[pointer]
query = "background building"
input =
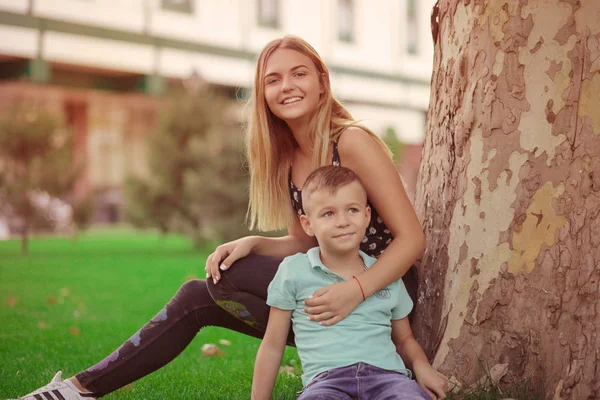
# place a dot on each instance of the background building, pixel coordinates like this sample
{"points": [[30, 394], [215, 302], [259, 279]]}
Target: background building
{"points": [[104, 64]]}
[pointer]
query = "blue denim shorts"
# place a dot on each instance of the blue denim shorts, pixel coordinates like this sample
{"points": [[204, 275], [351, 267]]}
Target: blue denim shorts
{"points": [[362, 381]]}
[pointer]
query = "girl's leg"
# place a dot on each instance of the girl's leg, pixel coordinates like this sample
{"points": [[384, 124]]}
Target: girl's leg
{"points": [[174, 327], [242, 291]]}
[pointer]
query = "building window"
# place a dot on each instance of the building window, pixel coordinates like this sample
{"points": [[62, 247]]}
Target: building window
{"points": [[183, 6], [268, 13], [346, 20], [411, 27]]}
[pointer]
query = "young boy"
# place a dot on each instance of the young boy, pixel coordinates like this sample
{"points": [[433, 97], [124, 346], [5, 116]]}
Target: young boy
{"points": [[355, 358]]}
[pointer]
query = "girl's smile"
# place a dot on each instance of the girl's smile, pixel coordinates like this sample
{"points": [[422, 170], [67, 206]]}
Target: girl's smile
{"points": [[291, 100]]}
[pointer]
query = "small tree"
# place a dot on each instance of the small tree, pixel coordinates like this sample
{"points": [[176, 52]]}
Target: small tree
{"points": [[396, 145], [35, 154], [196, 183], [83, 209]]}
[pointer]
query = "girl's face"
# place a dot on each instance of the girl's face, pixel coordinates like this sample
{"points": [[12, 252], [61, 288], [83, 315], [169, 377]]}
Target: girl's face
{"points": [[292, 85]]}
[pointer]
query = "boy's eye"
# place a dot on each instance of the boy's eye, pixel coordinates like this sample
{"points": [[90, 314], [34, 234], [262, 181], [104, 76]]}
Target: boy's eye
{"points": [[328, 214], [353, 209]]}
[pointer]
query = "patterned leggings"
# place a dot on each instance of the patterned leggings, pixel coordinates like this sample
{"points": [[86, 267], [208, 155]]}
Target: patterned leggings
{"points": [[237, 302]]}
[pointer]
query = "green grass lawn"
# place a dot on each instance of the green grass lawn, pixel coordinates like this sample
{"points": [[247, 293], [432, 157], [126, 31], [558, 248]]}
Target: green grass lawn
{"points": [[70, 303]]}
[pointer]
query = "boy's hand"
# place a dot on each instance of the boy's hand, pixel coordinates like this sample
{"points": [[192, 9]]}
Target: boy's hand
{"points": [[432, 381], [333, 303]]}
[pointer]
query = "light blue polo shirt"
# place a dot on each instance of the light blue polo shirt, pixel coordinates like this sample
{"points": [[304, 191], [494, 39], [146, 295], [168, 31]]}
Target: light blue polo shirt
{"points": [[363, 336]]}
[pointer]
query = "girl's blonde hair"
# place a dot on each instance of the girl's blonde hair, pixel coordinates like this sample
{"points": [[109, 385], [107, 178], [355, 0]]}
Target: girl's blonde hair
{"points": [[270, 143]]}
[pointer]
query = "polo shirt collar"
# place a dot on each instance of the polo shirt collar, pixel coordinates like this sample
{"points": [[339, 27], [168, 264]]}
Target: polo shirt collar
{"points": [[314, 258]]}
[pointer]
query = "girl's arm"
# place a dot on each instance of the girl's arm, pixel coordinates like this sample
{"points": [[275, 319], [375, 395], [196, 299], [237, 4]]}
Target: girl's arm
{"points": [[270, 352], [385, 190], [433, 382], [297, 241], [362, 154]]}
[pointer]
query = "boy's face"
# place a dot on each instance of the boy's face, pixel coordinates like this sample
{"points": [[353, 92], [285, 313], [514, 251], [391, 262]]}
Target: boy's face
{"points": [[338, 220]]}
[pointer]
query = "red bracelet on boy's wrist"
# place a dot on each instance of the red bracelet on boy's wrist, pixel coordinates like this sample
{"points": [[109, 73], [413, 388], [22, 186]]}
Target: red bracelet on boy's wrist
{"points": [[360, 286]]}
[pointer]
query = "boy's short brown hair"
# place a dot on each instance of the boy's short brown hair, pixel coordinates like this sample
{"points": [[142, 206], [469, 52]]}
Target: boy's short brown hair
{"points": [[330, 178]]}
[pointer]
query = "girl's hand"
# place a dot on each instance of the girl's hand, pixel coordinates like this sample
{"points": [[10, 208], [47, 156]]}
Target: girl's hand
{"points": [[225, 255], [333, 303], [433, 382]]}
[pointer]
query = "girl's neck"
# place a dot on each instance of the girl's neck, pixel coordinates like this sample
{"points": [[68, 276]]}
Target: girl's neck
{"points": [[299, 129]]}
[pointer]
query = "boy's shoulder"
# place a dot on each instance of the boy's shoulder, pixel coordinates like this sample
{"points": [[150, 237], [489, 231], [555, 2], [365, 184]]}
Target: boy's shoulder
{"points": [[298, 258], [295, 261], [312, 256], [301, 263]]}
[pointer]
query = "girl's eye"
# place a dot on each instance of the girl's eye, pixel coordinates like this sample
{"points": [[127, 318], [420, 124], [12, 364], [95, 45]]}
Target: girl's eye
{"points": [[301, 74], [272, 81]]}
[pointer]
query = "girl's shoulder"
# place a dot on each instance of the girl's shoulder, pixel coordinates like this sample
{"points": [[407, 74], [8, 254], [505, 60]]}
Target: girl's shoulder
{"points": [[352, 133], [357, 143]]}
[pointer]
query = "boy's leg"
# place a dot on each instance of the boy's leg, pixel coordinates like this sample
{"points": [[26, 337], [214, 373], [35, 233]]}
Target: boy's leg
{"points": [[381, 384], [336, 384], [324, 393]]}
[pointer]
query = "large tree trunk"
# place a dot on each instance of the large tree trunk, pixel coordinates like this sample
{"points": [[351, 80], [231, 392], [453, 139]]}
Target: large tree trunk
{"points": [[509, 193]]}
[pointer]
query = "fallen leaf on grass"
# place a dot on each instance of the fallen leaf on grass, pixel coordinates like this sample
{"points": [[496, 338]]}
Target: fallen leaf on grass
{"points": [[287, 369], [11, 301], [74, 330], [51, 300], [81, 306], [42, 325], [65, 292], [224, 342], [211, 350], [76, 314], [292, 362]]}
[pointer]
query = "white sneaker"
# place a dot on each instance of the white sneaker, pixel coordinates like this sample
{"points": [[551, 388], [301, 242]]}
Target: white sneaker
{"points": [[57, 389]]}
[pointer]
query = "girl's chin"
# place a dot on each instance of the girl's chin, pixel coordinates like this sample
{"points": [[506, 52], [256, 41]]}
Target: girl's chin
{"points": [[293, 113], [288, 117]]}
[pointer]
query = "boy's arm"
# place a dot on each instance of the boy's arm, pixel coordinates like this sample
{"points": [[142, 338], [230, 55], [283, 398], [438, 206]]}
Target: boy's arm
{"points": [[270, 353], [434, 383]]}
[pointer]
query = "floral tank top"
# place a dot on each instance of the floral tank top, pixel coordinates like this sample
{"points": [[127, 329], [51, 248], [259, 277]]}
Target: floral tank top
{"points": [[377, 237]]}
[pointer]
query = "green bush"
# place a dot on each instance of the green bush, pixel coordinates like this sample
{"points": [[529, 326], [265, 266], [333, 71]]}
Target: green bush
{"points": [[196, 182]]}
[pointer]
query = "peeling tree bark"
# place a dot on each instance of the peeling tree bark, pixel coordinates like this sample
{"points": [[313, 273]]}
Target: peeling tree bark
{"points": [[509, 193]]}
